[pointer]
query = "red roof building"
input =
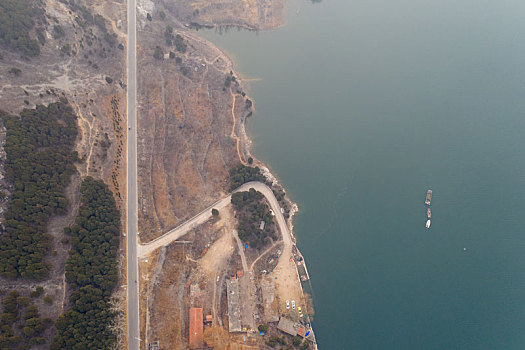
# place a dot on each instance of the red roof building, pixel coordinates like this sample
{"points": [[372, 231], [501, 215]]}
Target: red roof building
{"points": [[196, 337]]}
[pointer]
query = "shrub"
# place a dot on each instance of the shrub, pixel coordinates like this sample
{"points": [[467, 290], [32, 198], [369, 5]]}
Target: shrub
{"points": [[37, 292], [158, 54], [58, 32], [17, 72]]}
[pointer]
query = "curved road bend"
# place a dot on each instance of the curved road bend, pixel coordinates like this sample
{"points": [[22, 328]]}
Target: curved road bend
{"points": [[132, 197], [203, 216]]}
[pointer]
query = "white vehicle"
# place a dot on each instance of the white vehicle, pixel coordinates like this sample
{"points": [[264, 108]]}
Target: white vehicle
{"points": [[287, 304], [293, 304], [124, 234], [138, 233]]}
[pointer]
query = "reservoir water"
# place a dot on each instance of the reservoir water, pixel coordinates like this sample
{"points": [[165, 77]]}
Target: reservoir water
{"points": [[361, 106]]}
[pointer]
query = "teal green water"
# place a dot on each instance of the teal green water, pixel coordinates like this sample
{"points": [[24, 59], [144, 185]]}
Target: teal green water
{"points": [[361, 107]]}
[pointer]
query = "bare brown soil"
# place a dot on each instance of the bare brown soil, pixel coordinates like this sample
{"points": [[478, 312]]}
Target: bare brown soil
{"points": [[185, 124]]}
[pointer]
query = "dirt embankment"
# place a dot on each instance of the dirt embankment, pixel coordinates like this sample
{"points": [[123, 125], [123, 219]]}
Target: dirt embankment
{"points": [[185, 121], [78, 63]]}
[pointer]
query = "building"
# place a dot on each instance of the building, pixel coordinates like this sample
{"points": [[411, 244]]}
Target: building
{"points": [[196, 336], [290, 327], [234, 307], [209, 319]]}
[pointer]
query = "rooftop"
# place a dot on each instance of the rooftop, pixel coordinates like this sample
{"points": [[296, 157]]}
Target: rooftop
{"points": [[196, 338]]}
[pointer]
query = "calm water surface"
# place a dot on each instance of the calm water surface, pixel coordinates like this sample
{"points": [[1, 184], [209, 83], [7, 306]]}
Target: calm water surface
{"points": [[361, 107]]}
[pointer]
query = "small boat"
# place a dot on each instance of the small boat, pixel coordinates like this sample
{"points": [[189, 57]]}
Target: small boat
{"points": [[429, 197], [427, 224], [429, 214]]}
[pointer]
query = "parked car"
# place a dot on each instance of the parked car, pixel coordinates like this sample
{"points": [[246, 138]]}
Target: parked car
{"points": [[287, 304], [293, 304]]}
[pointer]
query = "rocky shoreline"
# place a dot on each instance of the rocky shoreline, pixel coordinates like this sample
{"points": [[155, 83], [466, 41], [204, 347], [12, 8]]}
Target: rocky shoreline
{"points": [[245, 146]]}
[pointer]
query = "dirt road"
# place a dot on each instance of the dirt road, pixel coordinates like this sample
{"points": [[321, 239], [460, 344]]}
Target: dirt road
{"points": [[205, 215]]}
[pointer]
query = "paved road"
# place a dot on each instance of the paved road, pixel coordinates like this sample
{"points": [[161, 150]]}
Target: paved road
{"points": [[203, 216], [132, 205]]}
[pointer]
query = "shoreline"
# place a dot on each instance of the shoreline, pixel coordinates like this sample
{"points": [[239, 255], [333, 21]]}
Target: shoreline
{"points": [[245, 143]]}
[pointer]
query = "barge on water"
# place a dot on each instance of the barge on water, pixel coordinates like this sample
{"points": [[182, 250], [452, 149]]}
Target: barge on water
{"points": [[429, 214], [429, 197]]}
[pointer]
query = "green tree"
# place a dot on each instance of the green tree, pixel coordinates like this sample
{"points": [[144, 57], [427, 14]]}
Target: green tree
{"points": [[17, 20], [91, 271], [39, 163], [215, 212], [180, 44], [158, 54], [58, 31]]}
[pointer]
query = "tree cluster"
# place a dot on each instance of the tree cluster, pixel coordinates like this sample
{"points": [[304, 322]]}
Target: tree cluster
{"points": [[39, 163], [176, 40], [251, 210], [20, 323], [91, 271], [241, 174], [16, 22]]}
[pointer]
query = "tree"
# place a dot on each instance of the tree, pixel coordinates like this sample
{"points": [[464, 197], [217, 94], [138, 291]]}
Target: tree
{"points": [[296, 341], [91, 271], [263, 328], [148, 16], [215, 212], [158, 54], [241, 174], [168, 35], [180, 45], [39, 163], [17, 20], [58, 32]]}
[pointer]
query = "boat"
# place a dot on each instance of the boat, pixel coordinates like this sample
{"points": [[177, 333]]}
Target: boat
{"points": [[429, 197], [427, 224], [429, 214]]}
